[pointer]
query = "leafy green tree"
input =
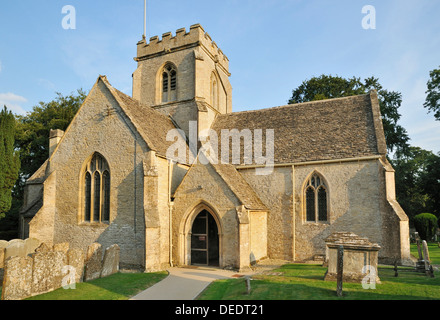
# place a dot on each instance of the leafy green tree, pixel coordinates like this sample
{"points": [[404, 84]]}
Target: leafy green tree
{"points": [[32, 138], [418, 181], [426, 225], [432, 102], [9, 160], [328, 87], [431, 183], [32, 141]]}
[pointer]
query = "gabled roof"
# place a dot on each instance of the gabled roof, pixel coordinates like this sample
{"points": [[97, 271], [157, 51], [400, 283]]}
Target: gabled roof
{"points": [[239, 187], [150, 124], [321, 130], [235, 182]]}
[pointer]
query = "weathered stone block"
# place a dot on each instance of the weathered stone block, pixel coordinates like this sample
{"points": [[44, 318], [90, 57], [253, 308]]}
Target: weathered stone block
{"points": [[76, 259], [2, 257], [15, 248], [110, 263], [31, 244], [360, 257], [63, 247], [47, 272], [44, 247], [17, 281], [93, 262]]}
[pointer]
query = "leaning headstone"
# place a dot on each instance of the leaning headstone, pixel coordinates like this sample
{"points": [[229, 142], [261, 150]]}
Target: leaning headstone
{"points": [[110, 263], [17, 281], [15, 248], [93, 262], [31, 244], [427, 261], [47, 272], [75, 258]]}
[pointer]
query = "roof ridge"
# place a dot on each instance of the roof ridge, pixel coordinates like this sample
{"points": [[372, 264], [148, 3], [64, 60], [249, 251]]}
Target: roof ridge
{"points": [[298, 104]]}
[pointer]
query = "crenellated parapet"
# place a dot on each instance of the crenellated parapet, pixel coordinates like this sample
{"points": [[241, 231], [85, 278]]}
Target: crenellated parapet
{"points": [[180, 41]]}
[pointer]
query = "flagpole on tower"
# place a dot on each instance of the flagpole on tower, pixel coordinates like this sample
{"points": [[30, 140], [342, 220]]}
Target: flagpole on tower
{"points": [[145, 19]]}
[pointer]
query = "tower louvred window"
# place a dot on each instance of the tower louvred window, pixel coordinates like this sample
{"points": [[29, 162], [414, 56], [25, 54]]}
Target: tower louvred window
{"points": [[169, 83]]}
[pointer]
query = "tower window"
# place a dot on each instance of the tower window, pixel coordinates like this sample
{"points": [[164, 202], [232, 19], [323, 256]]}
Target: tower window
{"points": [[97, 191], [169, 83], [316, 197]]}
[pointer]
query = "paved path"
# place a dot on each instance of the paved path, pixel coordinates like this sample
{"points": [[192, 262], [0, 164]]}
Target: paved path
{"points": [[184, 283]]}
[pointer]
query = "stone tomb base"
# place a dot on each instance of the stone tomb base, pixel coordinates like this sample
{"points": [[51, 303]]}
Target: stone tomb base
{"points": [[360, 258]]}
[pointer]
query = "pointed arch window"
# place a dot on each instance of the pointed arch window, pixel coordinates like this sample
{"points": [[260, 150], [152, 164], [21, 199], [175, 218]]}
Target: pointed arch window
{"points": [[316, 199], [169, 83], [97, 191]]}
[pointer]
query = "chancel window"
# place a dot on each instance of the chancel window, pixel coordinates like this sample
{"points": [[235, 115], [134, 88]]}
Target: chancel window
{"points": [[169, 83], [97, 191], [316, 199]]}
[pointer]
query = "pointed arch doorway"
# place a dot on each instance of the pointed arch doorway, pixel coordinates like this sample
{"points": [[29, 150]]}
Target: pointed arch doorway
{"points": [[205, 241]]}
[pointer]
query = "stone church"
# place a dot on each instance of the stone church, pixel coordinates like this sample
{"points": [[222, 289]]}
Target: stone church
{"points": [[109, 177]]}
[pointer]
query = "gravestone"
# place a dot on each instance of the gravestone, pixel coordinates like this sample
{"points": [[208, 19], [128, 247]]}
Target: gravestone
{"points": [[75, 258], [15, 248], [93, 262], [17, 282], [47, 271], [427, 262], [360, 257], [110, 263]]}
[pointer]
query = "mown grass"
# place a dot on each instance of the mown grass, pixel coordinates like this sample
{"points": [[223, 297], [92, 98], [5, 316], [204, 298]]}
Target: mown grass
{"points": [[120, 286], [306, 282]]}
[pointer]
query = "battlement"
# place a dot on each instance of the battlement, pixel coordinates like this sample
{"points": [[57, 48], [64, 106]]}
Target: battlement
{"points": [[181, 40]]}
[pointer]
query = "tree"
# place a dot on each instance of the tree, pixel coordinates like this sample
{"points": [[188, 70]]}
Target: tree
{"points": [[432, 102], [426, 225], [9, 160], [418, 181], [33, 129], [328, 87], [32, 141]]}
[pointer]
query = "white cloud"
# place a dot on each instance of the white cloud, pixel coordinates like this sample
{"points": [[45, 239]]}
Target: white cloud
{"points": [[12, 102]]}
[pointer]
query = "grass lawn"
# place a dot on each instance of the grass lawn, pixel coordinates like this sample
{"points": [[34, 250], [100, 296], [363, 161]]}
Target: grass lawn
{"points": [[305, 282], [120, 286]]}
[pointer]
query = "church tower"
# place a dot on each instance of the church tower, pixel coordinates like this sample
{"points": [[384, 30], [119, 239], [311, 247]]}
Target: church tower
{"points": [[185, 76]]}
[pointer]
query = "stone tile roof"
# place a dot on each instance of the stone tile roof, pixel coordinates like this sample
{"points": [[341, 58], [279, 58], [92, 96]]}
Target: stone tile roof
{"points": [[239, 187], [150, 124], [320, 130]]}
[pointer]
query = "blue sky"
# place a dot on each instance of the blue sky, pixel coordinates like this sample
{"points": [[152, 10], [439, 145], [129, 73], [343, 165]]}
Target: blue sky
{"points": [[272, 45]]}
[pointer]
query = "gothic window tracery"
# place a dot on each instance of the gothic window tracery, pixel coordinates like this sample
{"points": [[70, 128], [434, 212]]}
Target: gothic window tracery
{"points": [[97, 191], [316, 199]]}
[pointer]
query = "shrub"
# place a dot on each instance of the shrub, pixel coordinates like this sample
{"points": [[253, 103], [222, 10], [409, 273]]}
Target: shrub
{"points": [[426, 225]]}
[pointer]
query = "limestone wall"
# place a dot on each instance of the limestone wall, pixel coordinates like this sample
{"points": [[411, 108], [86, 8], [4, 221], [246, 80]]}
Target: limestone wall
{"points": [[62, 217], [357, 203], [205, 189]]}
